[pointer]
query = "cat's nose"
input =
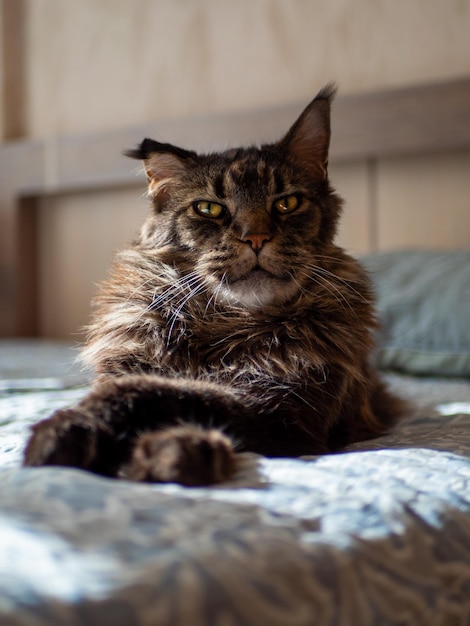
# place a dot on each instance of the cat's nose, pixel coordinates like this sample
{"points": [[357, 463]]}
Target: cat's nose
{"points": [[256, 240]]}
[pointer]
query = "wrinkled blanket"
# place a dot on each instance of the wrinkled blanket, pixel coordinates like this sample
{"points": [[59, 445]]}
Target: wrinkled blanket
{"points": [[379, 534]]}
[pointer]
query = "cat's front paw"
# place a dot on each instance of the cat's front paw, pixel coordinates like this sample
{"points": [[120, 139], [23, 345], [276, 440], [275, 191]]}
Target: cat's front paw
{"points": [[66, 438], [187, 455]]}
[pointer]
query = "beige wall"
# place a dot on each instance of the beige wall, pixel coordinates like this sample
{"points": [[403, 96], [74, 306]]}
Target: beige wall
{"points": [[93, 65], [97, 64], [424, 202], [78, 237]]}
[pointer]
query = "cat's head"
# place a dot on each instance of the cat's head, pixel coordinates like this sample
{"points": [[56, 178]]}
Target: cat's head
{"points": [[250, 221]]}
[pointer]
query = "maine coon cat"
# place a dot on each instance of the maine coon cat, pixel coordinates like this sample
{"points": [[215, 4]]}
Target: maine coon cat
{"points": [[233, 323]]}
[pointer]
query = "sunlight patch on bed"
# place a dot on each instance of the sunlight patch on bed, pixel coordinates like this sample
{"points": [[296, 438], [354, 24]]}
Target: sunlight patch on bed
{"points": [[454, 408]]}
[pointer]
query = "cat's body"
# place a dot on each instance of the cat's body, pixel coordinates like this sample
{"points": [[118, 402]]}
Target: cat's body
{"points": [[233, 318]]}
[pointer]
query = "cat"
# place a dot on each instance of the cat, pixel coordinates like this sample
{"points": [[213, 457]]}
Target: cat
{"points": [[233, 323]]}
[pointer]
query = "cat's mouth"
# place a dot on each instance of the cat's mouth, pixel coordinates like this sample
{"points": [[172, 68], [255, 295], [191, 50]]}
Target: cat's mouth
{"points": [[259, 287], [257, 274]]}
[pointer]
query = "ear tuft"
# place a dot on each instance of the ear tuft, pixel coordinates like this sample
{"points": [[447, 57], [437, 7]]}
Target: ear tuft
{"points": [[149, 146], [328, 93], [143, 150]]}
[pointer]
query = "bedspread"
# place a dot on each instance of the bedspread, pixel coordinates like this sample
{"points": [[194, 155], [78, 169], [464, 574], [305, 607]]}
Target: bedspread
{"points": [[377, 535]]}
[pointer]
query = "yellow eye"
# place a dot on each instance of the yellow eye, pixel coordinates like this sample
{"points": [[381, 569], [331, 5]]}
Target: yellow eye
{"points": [[208, 209], [287, 204]]}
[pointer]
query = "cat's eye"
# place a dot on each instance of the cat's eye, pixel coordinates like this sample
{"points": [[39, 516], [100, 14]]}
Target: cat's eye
{"points": [[208, 209], [287, 204]]}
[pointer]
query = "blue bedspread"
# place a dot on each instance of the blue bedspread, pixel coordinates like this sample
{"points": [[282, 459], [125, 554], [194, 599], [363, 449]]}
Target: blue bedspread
{"points": [[379, 535]]}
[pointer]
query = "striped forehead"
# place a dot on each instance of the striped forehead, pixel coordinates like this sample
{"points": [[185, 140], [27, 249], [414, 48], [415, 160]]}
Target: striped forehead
{"points": [[251, 174]]}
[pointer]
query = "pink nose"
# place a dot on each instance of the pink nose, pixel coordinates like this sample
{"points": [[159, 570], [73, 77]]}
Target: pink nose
{"points": [[256, 240]]}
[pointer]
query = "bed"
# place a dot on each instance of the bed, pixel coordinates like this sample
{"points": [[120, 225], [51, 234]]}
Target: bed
{"points": [[379, 534]]}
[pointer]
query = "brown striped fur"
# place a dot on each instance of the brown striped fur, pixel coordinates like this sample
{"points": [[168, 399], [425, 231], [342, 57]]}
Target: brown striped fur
{"points": [[251, 322]]}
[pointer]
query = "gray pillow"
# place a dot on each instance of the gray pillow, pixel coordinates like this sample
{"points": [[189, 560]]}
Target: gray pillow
{"points": [[424, 310]]}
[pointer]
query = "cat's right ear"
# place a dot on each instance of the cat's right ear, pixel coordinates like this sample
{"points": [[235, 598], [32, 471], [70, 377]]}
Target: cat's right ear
{"points": [[163, 162]]}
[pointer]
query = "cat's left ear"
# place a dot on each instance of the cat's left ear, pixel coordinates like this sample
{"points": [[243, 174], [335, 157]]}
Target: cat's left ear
{"points": [[308, 140], [162, 162]]}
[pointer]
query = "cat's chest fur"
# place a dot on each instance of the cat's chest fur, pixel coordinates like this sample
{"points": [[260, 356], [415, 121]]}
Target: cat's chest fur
{"points": [[231, 348]]}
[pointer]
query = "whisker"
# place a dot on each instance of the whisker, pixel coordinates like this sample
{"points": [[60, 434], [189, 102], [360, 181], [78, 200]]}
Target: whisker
{"points": [[346, 283], [141, 286], [332, 289], [175, 289], [199, 288], [168, 295], [216, 292], [336, 260], [297, 282]]}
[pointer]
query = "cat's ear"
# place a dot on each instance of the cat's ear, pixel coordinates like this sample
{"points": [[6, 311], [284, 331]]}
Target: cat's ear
{"points": [[162, 162], [308, 140]]}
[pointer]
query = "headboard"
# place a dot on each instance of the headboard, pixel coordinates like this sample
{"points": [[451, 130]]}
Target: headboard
{"points": [[370, 128]]}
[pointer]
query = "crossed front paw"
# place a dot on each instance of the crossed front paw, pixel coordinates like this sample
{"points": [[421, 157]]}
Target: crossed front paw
{"points": [[66, 438], [188, 455]]}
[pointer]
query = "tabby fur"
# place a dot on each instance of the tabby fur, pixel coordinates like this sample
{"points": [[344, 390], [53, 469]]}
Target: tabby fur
{"points": [[233, 323]]}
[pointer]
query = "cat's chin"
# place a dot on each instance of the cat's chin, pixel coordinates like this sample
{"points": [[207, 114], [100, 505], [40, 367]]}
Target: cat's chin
{"points": [[258, 289]]}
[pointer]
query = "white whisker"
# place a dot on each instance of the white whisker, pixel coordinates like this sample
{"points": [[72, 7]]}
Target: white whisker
{"points": [[315, 276], [193, 291], [346, 283], [174, 290], [216, 292]]}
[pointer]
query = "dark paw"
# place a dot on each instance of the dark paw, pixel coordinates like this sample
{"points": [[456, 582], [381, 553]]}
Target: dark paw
{"points": [[185, 454], [66, 438]]}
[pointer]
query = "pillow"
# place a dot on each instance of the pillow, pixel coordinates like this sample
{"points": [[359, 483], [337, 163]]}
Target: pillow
{"points": [[424, 310]]}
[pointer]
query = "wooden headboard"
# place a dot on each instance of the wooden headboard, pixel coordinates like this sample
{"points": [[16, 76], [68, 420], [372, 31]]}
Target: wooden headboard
{"points": [[412, 121]]}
